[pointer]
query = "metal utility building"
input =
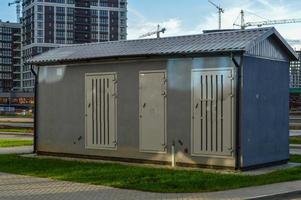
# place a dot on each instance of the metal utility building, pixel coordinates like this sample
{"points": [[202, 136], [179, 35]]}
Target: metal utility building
{"points": [[214, 99]]}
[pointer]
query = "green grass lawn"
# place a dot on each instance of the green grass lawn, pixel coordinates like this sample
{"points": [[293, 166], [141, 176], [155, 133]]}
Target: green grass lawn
{"points": [[17, 115], [139, 177], [15, 142], [295, 140], [16, 130]]}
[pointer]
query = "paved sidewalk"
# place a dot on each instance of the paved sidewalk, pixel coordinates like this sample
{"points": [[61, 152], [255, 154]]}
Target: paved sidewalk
{"points": [[15, 119], [16, 150], [15, 136], [295, 132], [17, 187]]}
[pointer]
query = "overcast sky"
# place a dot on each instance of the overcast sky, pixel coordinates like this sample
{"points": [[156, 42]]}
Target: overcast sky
{"points": [[182, 17]]}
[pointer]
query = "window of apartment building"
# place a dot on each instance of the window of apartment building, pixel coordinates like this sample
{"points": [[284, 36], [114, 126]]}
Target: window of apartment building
{"points": [[5, 45], [39, 50], [70, 1], [94, 3], [69, 26], [5, 61], [60, 41], [70, 35], [60, 34], [55, 1], [103, 3], [6, 37], [70, 18], [60, 26], [5, 68], [103, 28], [103, 13], [122, 14], [94, 12], [60, 10], [40, 17], [40, 40], [94, 20], [94, 36], [60, 18], [5, 75], [40, 8], [40, 33], [5, 30], [70, 11], [40, 25], [6, 53], [103, 20], [103, 37], [122, 22], [94, 28]]}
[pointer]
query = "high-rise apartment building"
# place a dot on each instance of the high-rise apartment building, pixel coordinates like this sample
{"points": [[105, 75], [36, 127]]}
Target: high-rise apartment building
{"points": [[51, 23], [295, 73], [10, 56]]}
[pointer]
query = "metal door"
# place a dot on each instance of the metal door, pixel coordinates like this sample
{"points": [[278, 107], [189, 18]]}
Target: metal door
{"points": [[101, 110], [212, 112], [152, 115]]}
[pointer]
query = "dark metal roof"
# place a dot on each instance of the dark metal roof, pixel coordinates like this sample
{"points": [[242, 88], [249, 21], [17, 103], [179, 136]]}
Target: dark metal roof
{"points": [[207, 43]]}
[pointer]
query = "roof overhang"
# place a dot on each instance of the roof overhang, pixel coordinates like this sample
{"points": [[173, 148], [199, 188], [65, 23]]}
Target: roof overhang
{"points": [[137, 57]]}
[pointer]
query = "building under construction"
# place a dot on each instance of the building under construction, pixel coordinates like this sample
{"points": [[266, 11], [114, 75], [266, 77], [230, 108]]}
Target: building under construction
{"points": [[295, 84]]}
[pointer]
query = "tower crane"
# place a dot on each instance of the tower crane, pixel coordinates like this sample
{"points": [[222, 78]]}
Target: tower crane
{"points": [[244, 25], [220, 11], [157, 32], [294, 41], [18, 8]]}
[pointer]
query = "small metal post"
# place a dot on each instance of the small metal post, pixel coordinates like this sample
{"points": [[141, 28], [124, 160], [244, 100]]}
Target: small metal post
{"points": [[173, 161]]}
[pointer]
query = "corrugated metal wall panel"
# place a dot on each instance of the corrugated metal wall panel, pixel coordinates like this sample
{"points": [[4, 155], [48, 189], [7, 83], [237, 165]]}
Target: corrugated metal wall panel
{"points": [[101, 110], [212, 96]]}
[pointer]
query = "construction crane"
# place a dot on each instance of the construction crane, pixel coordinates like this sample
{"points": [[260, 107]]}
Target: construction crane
{"points": [[220, 11], [18, 8], [244, 24], [157, 32], [293, 41]]}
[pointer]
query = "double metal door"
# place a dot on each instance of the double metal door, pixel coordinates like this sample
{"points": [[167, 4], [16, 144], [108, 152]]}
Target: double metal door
{"points": [[101, 104], [212, 112]]}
